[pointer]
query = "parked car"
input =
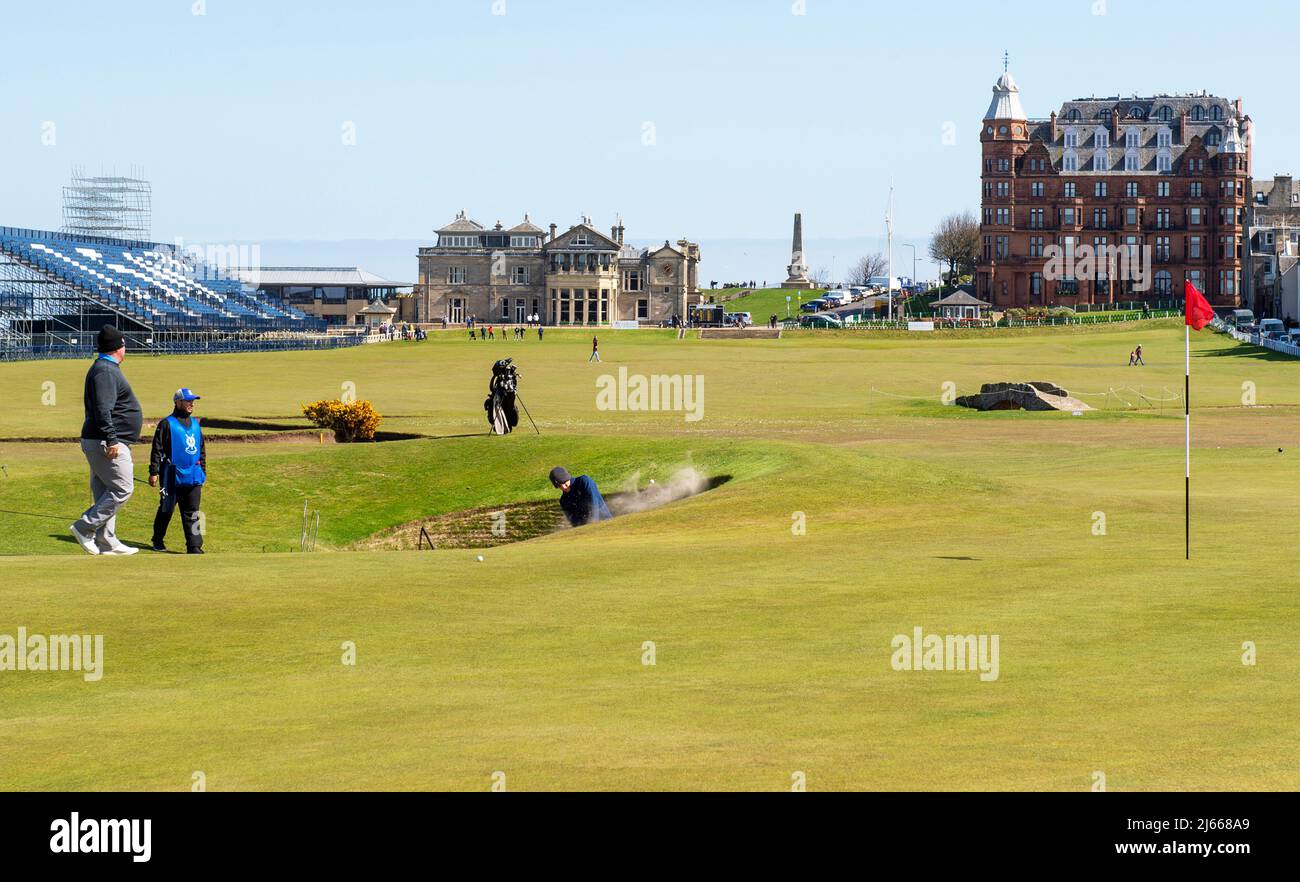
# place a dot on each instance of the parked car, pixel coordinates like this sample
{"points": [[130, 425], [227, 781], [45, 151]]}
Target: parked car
{"points": [[1241, 319], [813, 305], [837, 298], [822, 320], [1272, 328]]}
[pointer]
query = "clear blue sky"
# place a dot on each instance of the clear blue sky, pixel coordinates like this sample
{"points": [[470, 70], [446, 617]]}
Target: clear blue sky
{"points": [[237, 115]]}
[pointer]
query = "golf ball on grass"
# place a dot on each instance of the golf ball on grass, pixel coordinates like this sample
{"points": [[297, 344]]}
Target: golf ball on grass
{"points": [[479, 558]]}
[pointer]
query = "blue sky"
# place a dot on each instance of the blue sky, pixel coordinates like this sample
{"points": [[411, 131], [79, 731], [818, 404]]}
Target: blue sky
{"points": [[238, 115]]}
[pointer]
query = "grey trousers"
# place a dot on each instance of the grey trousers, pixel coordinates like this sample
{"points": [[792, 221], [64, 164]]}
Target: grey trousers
{"points": [[112, 481]]}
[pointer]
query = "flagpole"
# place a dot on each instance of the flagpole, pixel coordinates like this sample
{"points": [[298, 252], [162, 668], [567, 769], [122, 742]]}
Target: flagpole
{"points": [[1187, 420]]}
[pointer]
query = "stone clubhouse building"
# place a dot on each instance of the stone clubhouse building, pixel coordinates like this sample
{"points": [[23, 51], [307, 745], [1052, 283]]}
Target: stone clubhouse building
{"points": [[577, 277]]}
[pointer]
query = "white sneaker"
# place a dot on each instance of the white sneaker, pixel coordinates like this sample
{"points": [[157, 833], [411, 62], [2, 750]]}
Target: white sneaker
{"points": [[120, 549], [85, 540]]}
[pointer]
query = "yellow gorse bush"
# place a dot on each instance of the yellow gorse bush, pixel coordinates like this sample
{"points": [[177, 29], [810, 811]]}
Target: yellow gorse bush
{"points": [[352, 421]]}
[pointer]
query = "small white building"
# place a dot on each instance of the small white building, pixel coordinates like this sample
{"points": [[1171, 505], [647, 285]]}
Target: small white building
{"points": [[376, 314], [961, 305]]}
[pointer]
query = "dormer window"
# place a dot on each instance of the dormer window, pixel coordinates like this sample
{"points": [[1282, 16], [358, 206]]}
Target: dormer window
{"points": [[1218, 112], [1102, 138], [1131, 137], [1164, 138], [1166, 113], [1198, 113], [1135, 113], [1074, 115], [581, 239], [1071, 138], [1212, 139], [1132, 162]]}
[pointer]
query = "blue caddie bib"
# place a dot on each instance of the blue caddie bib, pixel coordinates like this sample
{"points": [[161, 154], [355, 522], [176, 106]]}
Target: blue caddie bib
{"points": [[187, 444]]}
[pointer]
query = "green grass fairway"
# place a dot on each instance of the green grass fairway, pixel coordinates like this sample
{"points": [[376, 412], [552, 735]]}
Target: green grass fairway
{"points": [[764, 302], [772, 649]]}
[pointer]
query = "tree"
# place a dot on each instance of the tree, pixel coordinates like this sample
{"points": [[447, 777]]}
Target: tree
{"points": [[865, 268], [956, 242], [820, 277]]}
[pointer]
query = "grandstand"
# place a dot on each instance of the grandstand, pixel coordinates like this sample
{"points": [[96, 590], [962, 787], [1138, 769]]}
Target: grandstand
{"points": [[57, 288]]}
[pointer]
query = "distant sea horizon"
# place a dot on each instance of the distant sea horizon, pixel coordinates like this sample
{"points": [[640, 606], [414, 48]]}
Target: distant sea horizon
{"points": [[762, 261]]}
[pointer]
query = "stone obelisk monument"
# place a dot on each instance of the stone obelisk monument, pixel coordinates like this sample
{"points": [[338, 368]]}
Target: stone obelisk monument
{"points": [[797, 270]]}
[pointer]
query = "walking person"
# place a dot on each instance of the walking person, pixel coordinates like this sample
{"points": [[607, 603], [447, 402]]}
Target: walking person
{"points": [[1137, 354], [539, 333], [112, 424], [595, 351], [178, 465]]}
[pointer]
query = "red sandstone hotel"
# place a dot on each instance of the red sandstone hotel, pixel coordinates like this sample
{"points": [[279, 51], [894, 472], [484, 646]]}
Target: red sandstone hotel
{"points": [[1165, 175]]}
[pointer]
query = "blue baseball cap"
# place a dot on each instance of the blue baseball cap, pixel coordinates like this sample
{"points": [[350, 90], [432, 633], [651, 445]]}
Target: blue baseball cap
{"points": [[185, 394]]}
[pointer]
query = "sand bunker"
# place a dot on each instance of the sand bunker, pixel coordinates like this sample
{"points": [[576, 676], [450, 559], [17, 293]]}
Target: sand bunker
{"points": [[512, 522]]}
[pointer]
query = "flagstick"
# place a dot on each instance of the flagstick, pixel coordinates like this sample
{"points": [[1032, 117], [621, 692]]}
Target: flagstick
{"points": [[1187, 418]]}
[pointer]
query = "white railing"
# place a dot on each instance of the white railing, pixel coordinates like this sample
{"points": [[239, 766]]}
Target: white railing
{"points": [[1256, 340]]}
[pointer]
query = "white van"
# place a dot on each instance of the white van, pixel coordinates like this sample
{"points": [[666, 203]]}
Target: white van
{"points": [[1271, 328]]}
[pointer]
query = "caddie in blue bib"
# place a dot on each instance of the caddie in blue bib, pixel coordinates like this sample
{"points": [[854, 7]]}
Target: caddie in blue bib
{"points": [[176, 467], [186, 446]]}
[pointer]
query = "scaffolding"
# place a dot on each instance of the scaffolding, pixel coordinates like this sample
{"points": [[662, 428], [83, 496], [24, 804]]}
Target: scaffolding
{"points": [[108, 205]]}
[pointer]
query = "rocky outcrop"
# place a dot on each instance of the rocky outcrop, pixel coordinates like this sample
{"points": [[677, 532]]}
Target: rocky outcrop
{"points": [[1022, 396]]}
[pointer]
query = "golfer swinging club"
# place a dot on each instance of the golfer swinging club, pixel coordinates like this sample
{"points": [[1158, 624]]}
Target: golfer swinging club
{"points": [[178, 461], [579, 498]]}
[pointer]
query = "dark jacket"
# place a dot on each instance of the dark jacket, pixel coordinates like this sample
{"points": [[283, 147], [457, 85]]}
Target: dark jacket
{"points": [[583, 503], [161, 452], [112, 411]]}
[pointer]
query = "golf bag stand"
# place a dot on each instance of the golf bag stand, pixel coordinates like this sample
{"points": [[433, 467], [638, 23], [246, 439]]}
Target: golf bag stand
{"points": [[502, 414]]}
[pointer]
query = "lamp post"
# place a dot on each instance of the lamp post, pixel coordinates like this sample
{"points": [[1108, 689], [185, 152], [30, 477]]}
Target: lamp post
{"points": [[913, 247]]}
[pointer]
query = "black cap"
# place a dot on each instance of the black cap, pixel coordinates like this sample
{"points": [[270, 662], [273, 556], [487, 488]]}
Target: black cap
{"points": [[110, 339], [559, 475]]}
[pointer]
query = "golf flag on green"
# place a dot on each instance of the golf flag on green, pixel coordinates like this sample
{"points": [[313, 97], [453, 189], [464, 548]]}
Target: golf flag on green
{"points": [[1197, 314]]}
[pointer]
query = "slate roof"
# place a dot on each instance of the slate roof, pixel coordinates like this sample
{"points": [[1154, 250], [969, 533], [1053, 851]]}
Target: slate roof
{"points": [[461, 224]]}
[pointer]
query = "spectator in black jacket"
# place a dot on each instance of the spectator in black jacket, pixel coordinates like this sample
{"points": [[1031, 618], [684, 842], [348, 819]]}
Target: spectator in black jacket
{"points": [[111, 426], [178, 465]]}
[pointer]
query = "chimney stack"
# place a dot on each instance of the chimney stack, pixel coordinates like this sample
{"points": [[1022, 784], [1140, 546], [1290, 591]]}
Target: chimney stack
{"points": [[552, 239], [1053, 121], [1114, 125], [1182, 127]]}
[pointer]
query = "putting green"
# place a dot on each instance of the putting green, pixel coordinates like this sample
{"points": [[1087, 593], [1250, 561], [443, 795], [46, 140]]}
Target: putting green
{"points": [[772, 646]]}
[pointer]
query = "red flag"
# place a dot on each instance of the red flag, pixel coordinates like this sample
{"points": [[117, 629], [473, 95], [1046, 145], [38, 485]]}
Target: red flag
{"points": [[1198, 312]]}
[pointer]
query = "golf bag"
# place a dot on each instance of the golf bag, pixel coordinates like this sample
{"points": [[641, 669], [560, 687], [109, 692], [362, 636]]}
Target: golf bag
{"points": [[502, 413]]}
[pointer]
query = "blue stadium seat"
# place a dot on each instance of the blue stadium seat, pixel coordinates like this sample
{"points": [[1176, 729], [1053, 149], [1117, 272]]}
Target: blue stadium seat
{"points": [[151, 283]]}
